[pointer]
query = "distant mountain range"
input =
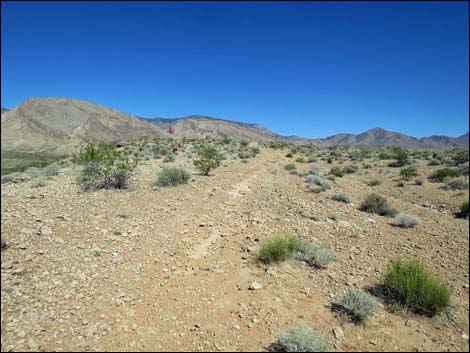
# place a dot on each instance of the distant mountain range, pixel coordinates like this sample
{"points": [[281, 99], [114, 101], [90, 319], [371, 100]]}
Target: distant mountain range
{"points": [[60, 126]]}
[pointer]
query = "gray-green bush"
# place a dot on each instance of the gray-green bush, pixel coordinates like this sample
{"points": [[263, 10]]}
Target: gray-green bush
{"points": [[341, 197], [359, 304], [172, 175], [302, 339], [406, 221]]}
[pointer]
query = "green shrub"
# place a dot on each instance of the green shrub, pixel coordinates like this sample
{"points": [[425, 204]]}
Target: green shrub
{"points": [[408, 173], [341, 197], [173, 175], [406, 221], [441, 174], [464, 212], [374, 203], [374, 182], [209, 159], [419, 181], [302, 339], [289, 155], [358, 304], [383, 155], [460, 157], [400, 155], [411, 284], [34, 172], [337, 172], [290, 166], [300, 160], [278, 248]]}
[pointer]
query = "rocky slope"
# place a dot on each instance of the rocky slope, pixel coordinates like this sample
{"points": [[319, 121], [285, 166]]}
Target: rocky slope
{"points": [[59, 126]]}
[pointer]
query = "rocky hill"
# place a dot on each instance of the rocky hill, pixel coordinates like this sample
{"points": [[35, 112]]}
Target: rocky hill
{"points": [[376, 137], [59, 126]]}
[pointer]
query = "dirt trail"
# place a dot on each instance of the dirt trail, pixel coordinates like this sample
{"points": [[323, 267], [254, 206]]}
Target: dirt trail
{"points": [[175, 274]]}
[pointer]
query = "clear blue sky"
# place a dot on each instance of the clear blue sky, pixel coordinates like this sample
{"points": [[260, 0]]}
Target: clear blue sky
{"points": [[308, 68]]}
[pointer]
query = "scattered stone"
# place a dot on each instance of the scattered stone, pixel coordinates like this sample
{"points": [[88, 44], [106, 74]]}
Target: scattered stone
{"points": [[255, 286], [338, 332]]}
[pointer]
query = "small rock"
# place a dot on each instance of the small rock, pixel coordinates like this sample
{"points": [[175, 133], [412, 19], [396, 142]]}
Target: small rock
{"points": [[338, 332], [411, 323], [255, 286]]}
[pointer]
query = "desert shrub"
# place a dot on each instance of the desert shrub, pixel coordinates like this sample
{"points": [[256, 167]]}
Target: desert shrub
{"points": [[209, 159], [10, 177], [315, 255], [169, 158], [341, 197], [278, 248], [34, 172], [401, 157], [302, 339], [244, 154], [434, 161], [337, 171], [359, 304], [308, 215], [124, 214], [408, 173], [374, 203], [311, 160], [441, 174], [401, 184], [295, 172], [289, 155], [39, 182], [456, 184], [406, 221], [104, 167], [460, 157], [254, 151], [383, 155], [419, 181], [172, 176], [300, 160], [52, 169], [374, 182], [350, 169], [315, 182], [463, 169], [464, 211], [411, 284], [290, 166]]}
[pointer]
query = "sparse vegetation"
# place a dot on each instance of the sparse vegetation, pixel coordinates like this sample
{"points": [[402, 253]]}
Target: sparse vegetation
{"points": [[173, 175], [315, 255], [411, 284], [456, 184], [209, 159], [302, 339], [341, 197], [374, 203], [337, 172], [39, 182], [441, 174], [375, 182], [357, 303], [406, 221], [463, 210], [290, 166], [278, 248]]}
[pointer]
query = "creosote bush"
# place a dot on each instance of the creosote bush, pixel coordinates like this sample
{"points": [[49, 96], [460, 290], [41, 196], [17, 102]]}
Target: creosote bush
{"points": [[171, 175], [359, 304], [374, 203], [406, 221], [337, 172], [302, 339], [51, 169], [39, 182], [278, 248], [412, 285], [456, 184], [441, 174], [209, 159]]}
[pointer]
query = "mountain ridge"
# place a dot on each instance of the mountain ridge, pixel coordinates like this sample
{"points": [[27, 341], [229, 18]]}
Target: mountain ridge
{"points": [[60, 125]]}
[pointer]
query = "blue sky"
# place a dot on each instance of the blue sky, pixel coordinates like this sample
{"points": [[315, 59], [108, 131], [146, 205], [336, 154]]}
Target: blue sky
{"points": [[307, 68]]}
